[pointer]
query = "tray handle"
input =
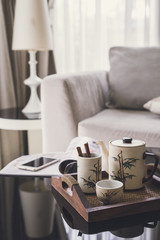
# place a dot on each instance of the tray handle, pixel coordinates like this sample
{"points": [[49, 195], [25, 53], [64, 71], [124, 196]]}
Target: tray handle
{"points": [[68, 181]]}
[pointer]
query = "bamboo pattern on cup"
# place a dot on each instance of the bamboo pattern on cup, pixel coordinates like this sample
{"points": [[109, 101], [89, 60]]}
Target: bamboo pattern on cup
{"points": [[96, 171], [108, 196], [124, 163]]}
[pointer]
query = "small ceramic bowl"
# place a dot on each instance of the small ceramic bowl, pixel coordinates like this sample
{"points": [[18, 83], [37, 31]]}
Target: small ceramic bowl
{"points": [[109, 191]]}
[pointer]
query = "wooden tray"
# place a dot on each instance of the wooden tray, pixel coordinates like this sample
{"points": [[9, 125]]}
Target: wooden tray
{"points": [[92, 210]]}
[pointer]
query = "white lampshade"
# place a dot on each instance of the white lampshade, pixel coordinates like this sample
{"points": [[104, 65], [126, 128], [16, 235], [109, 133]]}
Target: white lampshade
{"points": [[31, 26]]}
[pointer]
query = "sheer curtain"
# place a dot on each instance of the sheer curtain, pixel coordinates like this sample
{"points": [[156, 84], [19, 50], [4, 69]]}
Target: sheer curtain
{"points": [[84, 30]]}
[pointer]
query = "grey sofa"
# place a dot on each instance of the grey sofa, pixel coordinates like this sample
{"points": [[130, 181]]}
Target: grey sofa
{"points": [[103, 105]]}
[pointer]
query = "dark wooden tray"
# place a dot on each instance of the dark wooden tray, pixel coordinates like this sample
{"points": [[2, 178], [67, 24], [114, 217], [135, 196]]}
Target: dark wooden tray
{"points": [[145, 200]]}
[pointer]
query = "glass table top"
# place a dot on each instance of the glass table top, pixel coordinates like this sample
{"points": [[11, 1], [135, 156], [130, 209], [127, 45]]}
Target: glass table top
{"points": [[17, 114]]}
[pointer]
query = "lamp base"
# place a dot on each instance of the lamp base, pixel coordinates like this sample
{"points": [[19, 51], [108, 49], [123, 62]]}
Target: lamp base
{"points": [[34, 104]]}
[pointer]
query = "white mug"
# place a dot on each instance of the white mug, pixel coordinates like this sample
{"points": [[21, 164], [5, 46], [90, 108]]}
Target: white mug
{"points": [[89, 171]]}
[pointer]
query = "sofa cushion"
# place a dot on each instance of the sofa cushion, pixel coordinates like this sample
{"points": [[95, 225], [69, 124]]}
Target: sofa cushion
{"points": [[153, 105], [112, 124], [134, 76]]}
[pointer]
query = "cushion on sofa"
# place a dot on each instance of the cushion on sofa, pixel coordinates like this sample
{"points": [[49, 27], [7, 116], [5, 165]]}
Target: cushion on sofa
{"points": [[112, 124], [134, 76], [153, 105]]}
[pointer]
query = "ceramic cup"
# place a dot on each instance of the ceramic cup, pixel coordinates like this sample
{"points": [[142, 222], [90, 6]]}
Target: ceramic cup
{"points": [[109, 191], [89, 171]]}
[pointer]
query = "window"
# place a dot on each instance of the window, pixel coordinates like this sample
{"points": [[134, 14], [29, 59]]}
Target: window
{"points": [[84, 30]]}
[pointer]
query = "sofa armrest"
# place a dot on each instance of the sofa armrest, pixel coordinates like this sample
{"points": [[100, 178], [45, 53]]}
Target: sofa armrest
{"points": [[66, 100]]}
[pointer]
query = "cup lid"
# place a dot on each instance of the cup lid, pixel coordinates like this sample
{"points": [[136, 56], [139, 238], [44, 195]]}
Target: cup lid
{"points": [[127, 142]]}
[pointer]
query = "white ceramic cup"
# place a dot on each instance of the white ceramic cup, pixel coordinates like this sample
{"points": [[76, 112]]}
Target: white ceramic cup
{"points": [[109, 191], [89, 171]]}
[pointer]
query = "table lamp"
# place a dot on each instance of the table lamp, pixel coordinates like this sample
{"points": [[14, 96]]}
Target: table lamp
{"points": [[32, 32]]}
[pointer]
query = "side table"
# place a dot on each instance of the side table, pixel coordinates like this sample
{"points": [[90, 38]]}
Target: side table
{"points": [[14, 119], [34, 202]]}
